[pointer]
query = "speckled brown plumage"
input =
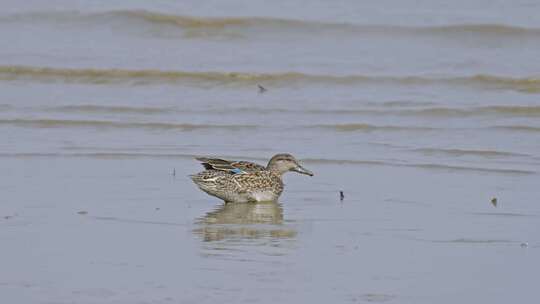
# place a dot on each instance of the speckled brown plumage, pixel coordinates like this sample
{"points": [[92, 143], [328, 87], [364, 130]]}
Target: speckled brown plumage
{"points": [[242, 181]]}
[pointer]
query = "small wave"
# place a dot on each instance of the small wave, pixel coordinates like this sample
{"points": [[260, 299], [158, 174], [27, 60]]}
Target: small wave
{"points": [[462, 152], [223, 25], [519, 128], [59, 123], [523, 111], [509, 111], [106, 109], [513, 110], [403, 109], [527, 85], [504, 214], [344, 161], [427, 166], [142, 77], [148, 77], [483, 29], [465, 168], [526, 111], [294, 24], [471, 241], [370, 128], [401, 103]]}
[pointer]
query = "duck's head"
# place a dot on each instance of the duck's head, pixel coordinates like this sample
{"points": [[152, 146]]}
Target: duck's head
{"points": [[281, 163]]}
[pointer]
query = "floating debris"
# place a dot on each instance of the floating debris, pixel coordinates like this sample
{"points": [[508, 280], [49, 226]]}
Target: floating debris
{"points": [[157, 208], [524, 245], [341, 196], [174, 172], [494, 202], [261, 89], [7, 217], [82, 212]]}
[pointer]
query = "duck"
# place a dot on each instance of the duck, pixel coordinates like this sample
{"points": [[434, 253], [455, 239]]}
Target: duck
{"points": [[244, 181]]}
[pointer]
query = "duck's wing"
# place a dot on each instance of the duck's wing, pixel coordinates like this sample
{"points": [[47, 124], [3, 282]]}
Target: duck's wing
{"points": [[235, 167], [216, 164], [248, 166]]}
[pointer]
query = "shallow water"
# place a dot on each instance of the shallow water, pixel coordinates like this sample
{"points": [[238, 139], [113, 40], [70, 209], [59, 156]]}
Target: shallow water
{"points": [[420, 112]]}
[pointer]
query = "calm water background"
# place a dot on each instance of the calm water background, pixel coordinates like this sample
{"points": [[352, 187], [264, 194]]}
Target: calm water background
{"points": [[421, 112]]}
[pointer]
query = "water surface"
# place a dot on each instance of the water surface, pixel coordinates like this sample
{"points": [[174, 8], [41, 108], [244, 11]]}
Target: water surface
{"points": [[420, 112]]}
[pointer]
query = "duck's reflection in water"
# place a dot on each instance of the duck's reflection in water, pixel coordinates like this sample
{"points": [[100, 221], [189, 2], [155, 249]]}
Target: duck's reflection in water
{"points": [[244, 221]]}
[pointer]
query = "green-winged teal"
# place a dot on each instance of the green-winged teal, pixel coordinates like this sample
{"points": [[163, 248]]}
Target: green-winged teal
{"points": [[242, 181]]}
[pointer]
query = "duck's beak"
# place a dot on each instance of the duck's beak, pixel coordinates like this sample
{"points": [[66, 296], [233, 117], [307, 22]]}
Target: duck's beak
{"points": [[302, 170]]}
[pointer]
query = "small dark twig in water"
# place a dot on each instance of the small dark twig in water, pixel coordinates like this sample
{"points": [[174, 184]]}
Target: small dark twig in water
{"points": [[494, 202], [341, 196], [261, 89], [173, 172]]}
